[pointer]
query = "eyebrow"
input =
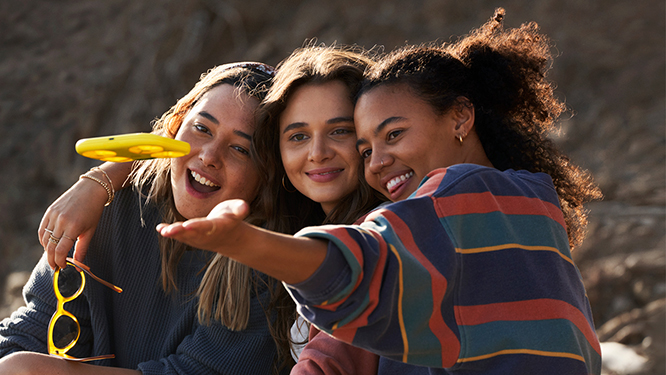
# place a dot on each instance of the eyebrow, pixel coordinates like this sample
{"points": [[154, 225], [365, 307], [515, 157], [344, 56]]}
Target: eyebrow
{"points": [[209, 117], [214, 120], [334, 120], [379, 128], [242, 134]]}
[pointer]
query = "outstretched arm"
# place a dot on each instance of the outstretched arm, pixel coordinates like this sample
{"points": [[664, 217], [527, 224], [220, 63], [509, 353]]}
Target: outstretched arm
{"points": [[284, 257], [73, 217]]}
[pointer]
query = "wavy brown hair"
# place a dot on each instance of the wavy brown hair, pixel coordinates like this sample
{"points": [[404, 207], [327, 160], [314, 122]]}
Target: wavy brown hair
{"points": [[225, 290], [502, 73], [287, 211]]}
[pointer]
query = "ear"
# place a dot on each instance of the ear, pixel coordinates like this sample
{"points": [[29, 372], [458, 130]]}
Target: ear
{"points": [[463, 114]]}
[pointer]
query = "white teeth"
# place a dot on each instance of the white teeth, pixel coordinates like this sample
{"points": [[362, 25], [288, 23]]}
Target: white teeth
{"points": [[202, 180], [398, 179], [335, 171]]}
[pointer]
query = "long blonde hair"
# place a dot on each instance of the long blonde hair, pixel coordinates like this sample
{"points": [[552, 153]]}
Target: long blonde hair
{"points": [[225, 290]]}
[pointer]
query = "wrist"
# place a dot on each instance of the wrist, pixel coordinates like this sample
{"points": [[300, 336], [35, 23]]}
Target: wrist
{"points": [[98, 175]]}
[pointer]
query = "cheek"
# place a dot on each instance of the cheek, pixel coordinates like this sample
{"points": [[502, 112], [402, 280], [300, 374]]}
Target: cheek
{"points": [[372, 180], [291, 161], [246, 185]]}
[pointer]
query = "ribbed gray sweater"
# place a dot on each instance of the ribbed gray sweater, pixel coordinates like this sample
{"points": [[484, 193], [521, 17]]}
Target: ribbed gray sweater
{"points": [[144, 327]]}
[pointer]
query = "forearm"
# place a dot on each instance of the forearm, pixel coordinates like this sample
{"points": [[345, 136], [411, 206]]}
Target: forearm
{"points": [[284, 257]]}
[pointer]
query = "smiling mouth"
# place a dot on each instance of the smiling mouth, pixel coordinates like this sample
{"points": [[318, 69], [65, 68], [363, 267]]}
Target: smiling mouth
{"points": [[201, 184], [398, 181], [324, 173]]}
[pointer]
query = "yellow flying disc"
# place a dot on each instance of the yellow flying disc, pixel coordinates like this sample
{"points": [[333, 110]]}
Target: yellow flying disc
{"points": [[134, 146]]}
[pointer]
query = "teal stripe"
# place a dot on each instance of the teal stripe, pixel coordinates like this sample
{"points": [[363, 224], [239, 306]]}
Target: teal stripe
{"points": [[351, 316], [551, 335], [496, 228], [349, 257], [424, 347]]}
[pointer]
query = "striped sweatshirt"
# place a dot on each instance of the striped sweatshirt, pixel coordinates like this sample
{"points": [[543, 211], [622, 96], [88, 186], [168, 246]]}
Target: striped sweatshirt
{"points": [[471, 274]]}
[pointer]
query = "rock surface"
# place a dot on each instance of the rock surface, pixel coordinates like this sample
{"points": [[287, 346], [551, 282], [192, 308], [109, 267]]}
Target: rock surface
{"points": [[79, 68]]}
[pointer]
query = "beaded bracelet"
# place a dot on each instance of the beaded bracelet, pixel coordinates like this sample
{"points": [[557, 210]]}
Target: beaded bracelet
{"points": [[113, 191], [104, 185]]}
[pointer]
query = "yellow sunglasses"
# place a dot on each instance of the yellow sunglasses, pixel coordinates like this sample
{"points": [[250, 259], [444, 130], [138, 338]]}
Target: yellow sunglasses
{"points": [[64, 328]]}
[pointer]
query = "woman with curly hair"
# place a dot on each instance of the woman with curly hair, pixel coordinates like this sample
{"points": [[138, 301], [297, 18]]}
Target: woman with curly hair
{"points": [[470, 269]]}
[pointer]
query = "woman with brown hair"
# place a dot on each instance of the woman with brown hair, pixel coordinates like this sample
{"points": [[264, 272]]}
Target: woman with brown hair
{"points": [[305, 148], [158, 325]]}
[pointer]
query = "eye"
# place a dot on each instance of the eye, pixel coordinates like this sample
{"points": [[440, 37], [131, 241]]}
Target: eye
{"points": [[298, 137], [343, 131], [201, 128], [365, 153], [393, 134], [241, 149]]}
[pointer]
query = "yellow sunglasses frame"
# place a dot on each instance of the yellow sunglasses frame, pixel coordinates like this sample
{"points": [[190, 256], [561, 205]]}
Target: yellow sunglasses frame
{"points": [[60, 311]]}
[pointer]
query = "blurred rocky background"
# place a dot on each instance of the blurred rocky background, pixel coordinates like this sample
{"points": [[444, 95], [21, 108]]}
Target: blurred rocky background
{"points": [[71, 69]]}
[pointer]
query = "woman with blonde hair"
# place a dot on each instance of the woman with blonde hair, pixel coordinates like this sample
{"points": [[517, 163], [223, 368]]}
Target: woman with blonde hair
{"points": [[182, 310]]}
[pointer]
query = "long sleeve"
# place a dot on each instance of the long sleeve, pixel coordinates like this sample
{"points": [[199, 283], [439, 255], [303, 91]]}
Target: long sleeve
{"points": [[471, 273]]}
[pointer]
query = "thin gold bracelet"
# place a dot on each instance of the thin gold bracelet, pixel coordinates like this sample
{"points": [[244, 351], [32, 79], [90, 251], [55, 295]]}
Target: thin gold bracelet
{"points": [[106, 187], [113, 191]]}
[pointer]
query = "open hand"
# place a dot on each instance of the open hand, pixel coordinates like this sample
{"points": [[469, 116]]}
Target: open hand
{"points": [[215, 232]]}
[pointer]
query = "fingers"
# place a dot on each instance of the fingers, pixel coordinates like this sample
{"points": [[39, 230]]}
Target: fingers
{"points": [[81, 247], [232, 209], [42, 229], [168, 230], [57, 247]]}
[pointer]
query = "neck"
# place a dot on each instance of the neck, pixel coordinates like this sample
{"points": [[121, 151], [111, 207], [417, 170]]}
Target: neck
{"points": [[327, 207], [473, 152]]}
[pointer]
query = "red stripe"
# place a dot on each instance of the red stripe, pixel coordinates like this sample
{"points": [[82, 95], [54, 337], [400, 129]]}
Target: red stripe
{"points": [[347, 332], [481, 203], [448, 340], [430, 186], [343, 235], [537, 309]]}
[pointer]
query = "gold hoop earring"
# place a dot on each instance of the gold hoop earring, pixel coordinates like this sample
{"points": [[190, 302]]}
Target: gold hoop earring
{"points": [[285, 186], [460, 138]]}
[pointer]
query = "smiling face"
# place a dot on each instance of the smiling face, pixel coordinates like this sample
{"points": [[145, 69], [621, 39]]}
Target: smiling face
{"points": [[219, 129], [402, 139], [317, 142]]}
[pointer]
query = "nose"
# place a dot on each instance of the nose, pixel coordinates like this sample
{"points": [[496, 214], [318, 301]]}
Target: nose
{"points": [[320, 150], [210, 155], [379, 160]]}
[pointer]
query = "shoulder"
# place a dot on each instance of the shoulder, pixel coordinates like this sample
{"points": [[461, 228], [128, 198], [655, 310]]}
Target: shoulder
{"points": [[471, 178]]}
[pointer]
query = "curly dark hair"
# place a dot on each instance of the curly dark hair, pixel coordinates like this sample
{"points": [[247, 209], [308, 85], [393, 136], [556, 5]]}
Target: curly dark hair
{"points": [[502, 73]]}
